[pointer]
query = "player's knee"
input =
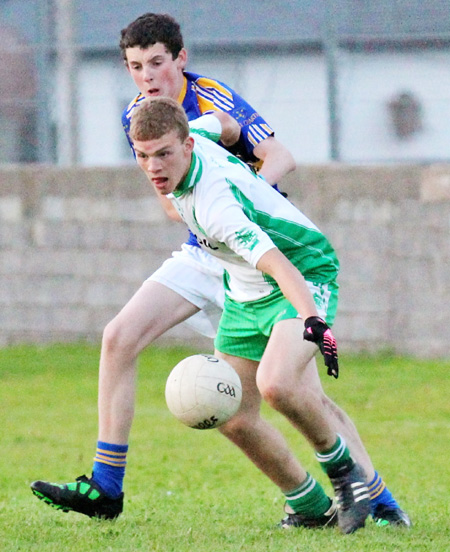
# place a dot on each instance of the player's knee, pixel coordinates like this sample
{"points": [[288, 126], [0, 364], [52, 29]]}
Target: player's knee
{"points": [[283, 395], [238, 428], [117, 338], [273, 392]]}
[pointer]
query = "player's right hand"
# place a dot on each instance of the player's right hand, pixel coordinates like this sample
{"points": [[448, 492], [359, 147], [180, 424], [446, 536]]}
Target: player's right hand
{"points": [[317, 331]]}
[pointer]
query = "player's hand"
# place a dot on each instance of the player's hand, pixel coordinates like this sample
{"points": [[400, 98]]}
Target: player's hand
{"points": [[317, 331]]}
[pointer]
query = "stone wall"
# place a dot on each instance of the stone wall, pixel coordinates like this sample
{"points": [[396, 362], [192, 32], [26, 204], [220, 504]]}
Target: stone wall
{"points": [[76, 243]]}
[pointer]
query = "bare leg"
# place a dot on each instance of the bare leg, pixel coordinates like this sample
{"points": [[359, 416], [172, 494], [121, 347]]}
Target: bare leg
{"points": [[261, 442], [301, 393], [281, 384], [150, 312], [340, 421]]}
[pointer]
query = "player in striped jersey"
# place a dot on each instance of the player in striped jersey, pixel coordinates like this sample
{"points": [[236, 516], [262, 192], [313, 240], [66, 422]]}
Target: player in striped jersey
{"points": [[201, 95]]}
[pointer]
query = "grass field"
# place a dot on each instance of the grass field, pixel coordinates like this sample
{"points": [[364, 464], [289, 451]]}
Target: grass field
{"points": [[190, 490]]}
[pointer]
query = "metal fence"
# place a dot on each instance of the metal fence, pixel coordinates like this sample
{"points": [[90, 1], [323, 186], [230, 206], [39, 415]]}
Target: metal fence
{"points": [[359, 82]]}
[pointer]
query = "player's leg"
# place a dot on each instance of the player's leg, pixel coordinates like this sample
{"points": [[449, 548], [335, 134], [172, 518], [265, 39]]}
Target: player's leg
{"points": [[150, 312], [187, 282], [281, 383], [184, 284], [268, 450], [384, 508], [338, 418], [261, 442]]}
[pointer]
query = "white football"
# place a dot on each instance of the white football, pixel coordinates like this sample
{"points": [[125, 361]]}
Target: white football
{"points": [[203, 391]]}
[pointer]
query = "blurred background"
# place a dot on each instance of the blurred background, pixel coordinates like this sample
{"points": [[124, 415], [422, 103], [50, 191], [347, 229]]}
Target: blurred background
{"points": [[356, 81], [358, 90]]}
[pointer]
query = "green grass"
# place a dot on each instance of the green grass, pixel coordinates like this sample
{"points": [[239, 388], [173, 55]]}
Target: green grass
{"points": [[189, 490]]}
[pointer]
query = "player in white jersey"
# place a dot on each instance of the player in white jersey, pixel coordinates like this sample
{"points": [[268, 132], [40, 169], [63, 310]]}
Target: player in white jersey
{"points": [[269, 251], [189, 281], [217, 211]]}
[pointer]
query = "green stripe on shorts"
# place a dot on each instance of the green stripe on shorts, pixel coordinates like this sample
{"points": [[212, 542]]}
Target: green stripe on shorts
{"points": [[245, 328]]}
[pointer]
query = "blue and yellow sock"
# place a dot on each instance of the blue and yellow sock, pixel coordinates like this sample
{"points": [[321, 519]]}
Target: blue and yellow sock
{"points": [[309, 499], [380, 494], [109, 467]]}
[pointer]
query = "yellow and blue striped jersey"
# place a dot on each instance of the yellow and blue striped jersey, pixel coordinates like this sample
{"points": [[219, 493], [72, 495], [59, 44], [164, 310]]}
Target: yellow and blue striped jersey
{"points": [[201, 95]]}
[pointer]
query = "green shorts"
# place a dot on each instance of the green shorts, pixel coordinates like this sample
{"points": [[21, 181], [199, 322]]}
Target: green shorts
{"points": [[245, 328]]}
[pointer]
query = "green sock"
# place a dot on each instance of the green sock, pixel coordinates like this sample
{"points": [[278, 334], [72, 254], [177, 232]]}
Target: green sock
{"points": [[337, 456], [309, 499]]}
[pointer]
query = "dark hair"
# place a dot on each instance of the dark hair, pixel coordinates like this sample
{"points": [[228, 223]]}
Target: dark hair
{"points": [[150, 28], [156, 117]]}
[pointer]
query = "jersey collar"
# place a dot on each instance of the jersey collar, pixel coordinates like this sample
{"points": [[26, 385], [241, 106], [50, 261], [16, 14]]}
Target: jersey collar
{"points": [[183, 91], [193, 176]]}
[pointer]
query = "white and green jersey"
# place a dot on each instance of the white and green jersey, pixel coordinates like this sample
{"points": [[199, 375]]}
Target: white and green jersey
{"points": [[237, 217]]}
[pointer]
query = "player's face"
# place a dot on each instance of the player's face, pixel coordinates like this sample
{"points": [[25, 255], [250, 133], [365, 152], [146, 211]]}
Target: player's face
{"points": [[165, 161], [155, 72]]}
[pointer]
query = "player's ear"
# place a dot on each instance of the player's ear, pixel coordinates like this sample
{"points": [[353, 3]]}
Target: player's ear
{"points": [[182, 58], [125, 62], [189, 144]]}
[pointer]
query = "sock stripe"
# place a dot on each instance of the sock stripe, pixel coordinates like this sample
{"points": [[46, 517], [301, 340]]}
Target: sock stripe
{"points": [[376, 487], [375, 481], [111, 458], [336, 452], [110, 452], [375, 494], [303, 490], [109, 467], [380, 494], [110, 462]]}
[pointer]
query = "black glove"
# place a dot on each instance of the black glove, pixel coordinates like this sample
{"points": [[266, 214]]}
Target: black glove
{"points": [[317, 331]]}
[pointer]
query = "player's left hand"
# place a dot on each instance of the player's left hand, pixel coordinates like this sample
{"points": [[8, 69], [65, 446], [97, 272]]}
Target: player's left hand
{"points": [[317, 331]]}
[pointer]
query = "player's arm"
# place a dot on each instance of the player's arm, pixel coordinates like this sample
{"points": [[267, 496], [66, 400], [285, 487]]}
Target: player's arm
{"points": [[258, 140], [277, 159], [254, 139], [231, 130], [295, 289], [217, 126], [290, 279], [223, 219]]}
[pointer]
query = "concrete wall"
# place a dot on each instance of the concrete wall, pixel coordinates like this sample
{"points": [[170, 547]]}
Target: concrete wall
{"points": [[76, 243]]}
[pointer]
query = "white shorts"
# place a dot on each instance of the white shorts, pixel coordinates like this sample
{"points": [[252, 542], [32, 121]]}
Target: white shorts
{"points": [[198, 277]]}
